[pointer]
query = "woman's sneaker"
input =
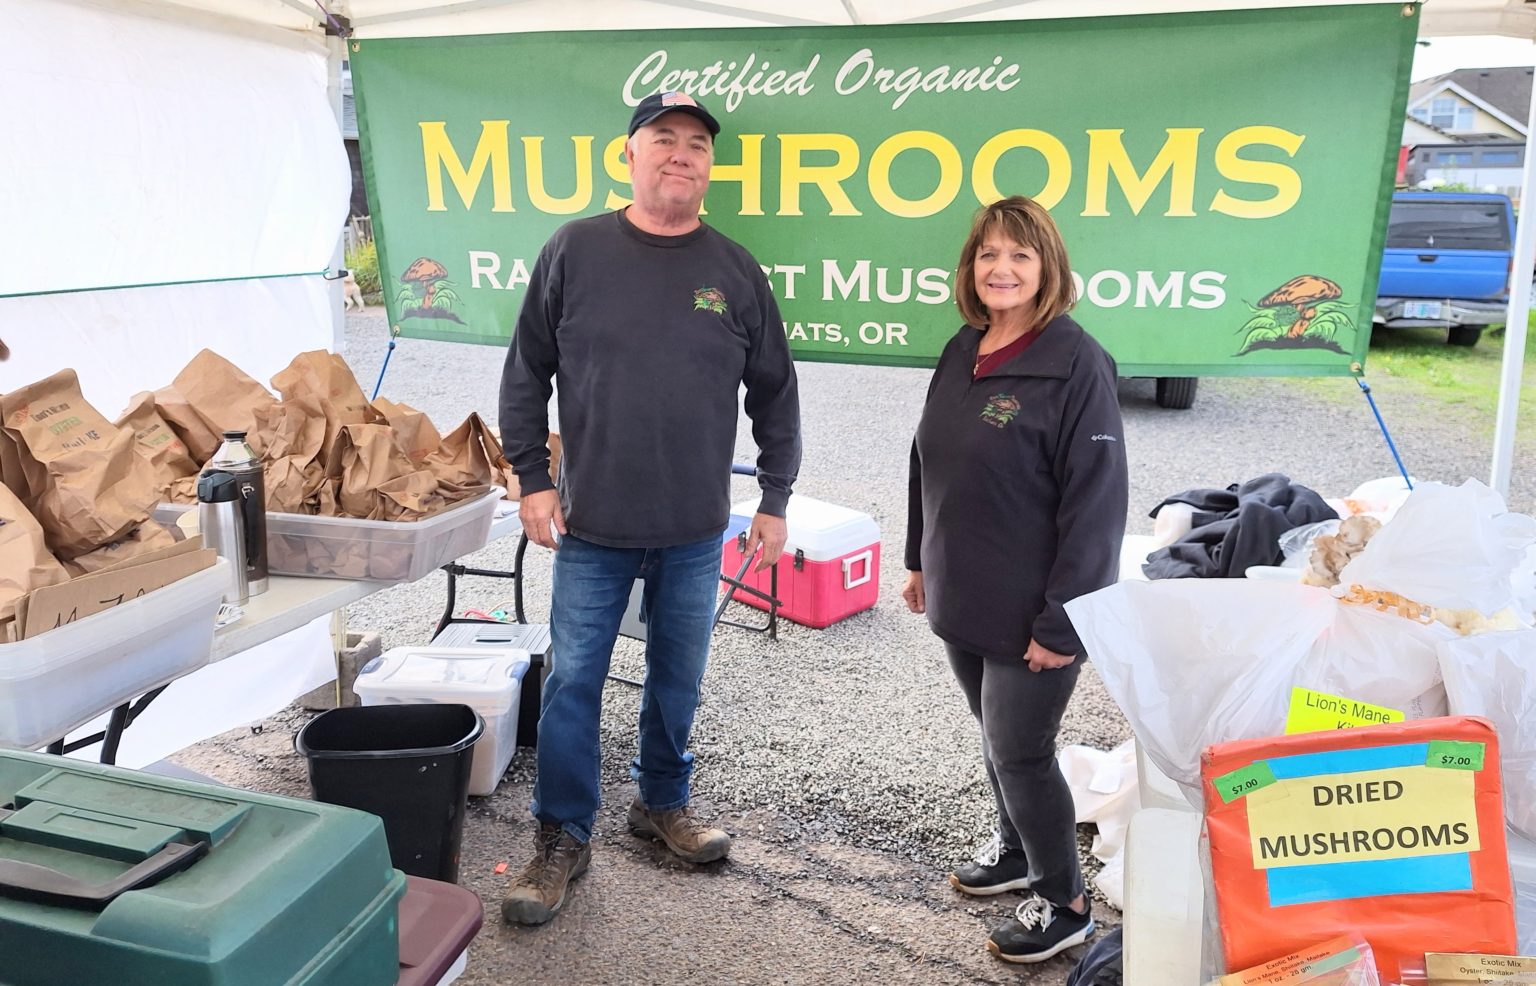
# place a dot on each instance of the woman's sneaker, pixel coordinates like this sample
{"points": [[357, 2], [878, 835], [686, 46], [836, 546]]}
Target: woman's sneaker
{"points": [[1039, 930], [996, 869]]}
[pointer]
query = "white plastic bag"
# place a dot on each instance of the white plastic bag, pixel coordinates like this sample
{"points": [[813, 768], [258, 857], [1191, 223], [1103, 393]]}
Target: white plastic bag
{"points": [[1494, 676], [1522, 871], [1193, 662], [1381, 658], [1451, 547], [1378, 497], [1296, 544], [1524, 581], [1104, 792]]}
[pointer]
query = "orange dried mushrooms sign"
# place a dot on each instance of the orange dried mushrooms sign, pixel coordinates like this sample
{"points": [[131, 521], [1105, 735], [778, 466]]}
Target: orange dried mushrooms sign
{"points": [[1394, 831]]}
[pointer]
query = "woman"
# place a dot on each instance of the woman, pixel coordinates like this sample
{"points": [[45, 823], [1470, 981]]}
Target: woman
{"points": [[1017, 505]]}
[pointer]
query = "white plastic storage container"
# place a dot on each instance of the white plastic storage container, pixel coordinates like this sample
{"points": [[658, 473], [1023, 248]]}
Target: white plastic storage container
{"points": [[62, 679], [488, 680], [377, 550]]}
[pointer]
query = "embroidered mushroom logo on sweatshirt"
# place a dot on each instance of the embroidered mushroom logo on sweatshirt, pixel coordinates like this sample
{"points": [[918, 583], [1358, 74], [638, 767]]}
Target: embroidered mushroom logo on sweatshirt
{"points": [[709, 300], [1001, 409]]}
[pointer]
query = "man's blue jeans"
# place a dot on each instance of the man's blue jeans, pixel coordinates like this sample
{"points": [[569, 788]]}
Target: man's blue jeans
{"points": [[591, 591]]}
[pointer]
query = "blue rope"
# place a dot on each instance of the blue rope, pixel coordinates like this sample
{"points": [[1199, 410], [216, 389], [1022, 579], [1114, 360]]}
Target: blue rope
{"points": [[387, 354], [1364, 387]]}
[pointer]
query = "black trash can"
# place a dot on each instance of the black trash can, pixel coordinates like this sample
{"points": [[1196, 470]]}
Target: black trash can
{"points": [[408, 764]]}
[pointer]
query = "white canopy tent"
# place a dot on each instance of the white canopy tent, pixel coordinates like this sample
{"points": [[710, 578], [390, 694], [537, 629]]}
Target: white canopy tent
{"points": [[191, 145]]}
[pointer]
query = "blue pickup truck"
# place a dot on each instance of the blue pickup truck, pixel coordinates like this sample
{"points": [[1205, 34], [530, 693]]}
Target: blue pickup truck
{"points": [[1447, 263]]}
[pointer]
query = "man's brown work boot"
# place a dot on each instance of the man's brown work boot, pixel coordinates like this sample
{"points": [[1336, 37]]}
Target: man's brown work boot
{"points": [[685, 835], [539, 891]]}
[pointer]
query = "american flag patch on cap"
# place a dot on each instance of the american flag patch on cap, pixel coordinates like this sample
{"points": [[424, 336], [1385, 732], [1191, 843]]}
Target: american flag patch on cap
{"points": [[677, 99]]}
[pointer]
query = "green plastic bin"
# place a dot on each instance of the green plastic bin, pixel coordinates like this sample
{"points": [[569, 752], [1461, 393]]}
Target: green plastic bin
{"points": [[114, 876]]}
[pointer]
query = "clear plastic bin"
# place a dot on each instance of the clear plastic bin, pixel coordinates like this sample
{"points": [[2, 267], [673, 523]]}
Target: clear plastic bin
{"points": [[375, 550], [488, 680], [62, 679]]}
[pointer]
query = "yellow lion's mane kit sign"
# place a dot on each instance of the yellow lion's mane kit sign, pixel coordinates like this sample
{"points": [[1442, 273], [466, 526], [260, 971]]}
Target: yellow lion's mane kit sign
{"points": [[1395, 831]]}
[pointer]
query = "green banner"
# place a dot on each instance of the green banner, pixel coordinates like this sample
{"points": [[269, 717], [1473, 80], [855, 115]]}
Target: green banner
{"points": [[1221, 179]]}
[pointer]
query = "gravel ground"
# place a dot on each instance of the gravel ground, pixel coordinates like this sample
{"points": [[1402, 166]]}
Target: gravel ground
{"points": [[849, 749]]}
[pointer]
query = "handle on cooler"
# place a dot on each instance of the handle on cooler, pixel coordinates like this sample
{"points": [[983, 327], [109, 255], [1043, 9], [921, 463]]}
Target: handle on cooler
{"points": [[31, 881], [867, 557]]}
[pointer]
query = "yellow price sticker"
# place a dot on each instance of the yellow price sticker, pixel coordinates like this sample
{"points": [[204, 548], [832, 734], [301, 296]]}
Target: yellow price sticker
{"points": [[1317, 712]]}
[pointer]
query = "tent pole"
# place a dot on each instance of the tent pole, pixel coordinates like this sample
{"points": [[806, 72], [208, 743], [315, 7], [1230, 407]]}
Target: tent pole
{"points": [[1517, 318]]}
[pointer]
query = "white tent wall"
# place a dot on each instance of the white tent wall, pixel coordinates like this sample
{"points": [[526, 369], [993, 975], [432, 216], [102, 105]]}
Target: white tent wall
{"points": [[157, 146], [124, 341], [163, 177]]}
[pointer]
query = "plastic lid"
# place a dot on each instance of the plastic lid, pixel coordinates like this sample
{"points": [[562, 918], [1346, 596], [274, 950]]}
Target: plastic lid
{"points": [[483, 678], [822, 530]]}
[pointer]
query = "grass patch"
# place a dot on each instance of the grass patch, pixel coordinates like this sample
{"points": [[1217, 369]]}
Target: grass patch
{"points": [[1419, 363], [1419, 360]]}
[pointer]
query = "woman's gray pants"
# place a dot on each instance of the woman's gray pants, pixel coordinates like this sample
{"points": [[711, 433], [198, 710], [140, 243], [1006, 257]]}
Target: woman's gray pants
{"points": [[1020, 713]]}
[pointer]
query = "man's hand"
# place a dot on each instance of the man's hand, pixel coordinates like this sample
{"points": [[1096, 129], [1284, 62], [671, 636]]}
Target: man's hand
{"points": [[1041, 659], [769, 533], [539, 512], [912, 592]]}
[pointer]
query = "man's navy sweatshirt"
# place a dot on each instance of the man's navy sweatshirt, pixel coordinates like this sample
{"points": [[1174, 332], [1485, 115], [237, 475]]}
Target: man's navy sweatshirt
{"points": [[649, 339]]}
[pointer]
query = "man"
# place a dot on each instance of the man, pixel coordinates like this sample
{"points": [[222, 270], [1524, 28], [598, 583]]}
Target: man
{"points": [[650, 321]]}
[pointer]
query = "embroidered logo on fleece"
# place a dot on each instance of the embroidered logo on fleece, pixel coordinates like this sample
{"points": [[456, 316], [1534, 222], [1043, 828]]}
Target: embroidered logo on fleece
{"points": [[1001, 409], [709, 300], [1104, 438]]}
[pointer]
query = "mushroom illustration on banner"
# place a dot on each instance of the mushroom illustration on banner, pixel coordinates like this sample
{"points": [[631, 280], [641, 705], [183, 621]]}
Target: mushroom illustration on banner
{"points": [[426, 292], [1303, 313]]}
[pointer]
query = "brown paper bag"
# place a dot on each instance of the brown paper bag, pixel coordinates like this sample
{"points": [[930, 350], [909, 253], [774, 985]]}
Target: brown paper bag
{"points": [[183, 490], [414, 431], [86, 485], [25, 562], [143, 540], [11, 475], [156, 441], [364, 459], [222, 395], [409, 497], [471, 456], [514, 490], [194, 432], [293, 434], [325, 378]]}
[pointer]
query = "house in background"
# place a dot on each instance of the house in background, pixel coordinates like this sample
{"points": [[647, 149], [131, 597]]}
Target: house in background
{"points": [[1467, 127], [1485, 166], [1475, 103], [354, 149]]}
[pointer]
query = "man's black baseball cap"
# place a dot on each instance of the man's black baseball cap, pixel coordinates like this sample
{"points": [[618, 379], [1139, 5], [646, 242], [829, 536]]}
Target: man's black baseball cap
{"points": [[659, 103]]}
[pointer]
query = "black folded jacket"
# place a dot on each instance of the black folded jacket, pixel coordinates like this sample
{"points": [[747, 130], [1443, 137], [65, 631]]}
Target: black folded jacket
{"points": [[1235, 528]]}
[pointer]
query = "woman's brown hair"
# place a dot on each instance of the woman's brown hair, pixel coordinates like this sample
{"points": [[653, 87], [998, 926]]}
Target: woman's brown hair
{"points": [[1026, 222]]}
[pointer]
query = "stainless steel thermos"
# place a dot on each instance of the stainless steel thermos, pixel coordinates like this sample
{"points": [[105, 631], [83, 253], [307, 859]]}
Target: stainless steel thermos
{"points": [[223, 527], [238, 459]]}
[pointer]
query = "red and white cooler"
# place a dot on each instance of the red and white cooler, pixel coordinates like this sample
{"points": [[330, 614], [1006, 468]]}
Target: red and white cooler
{"points": [[830, 568]]}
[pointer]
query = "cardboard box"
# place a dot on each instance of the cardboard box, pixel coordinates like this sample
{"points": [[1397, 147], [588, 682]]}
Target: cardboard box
{"points": [[53, 606]]}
